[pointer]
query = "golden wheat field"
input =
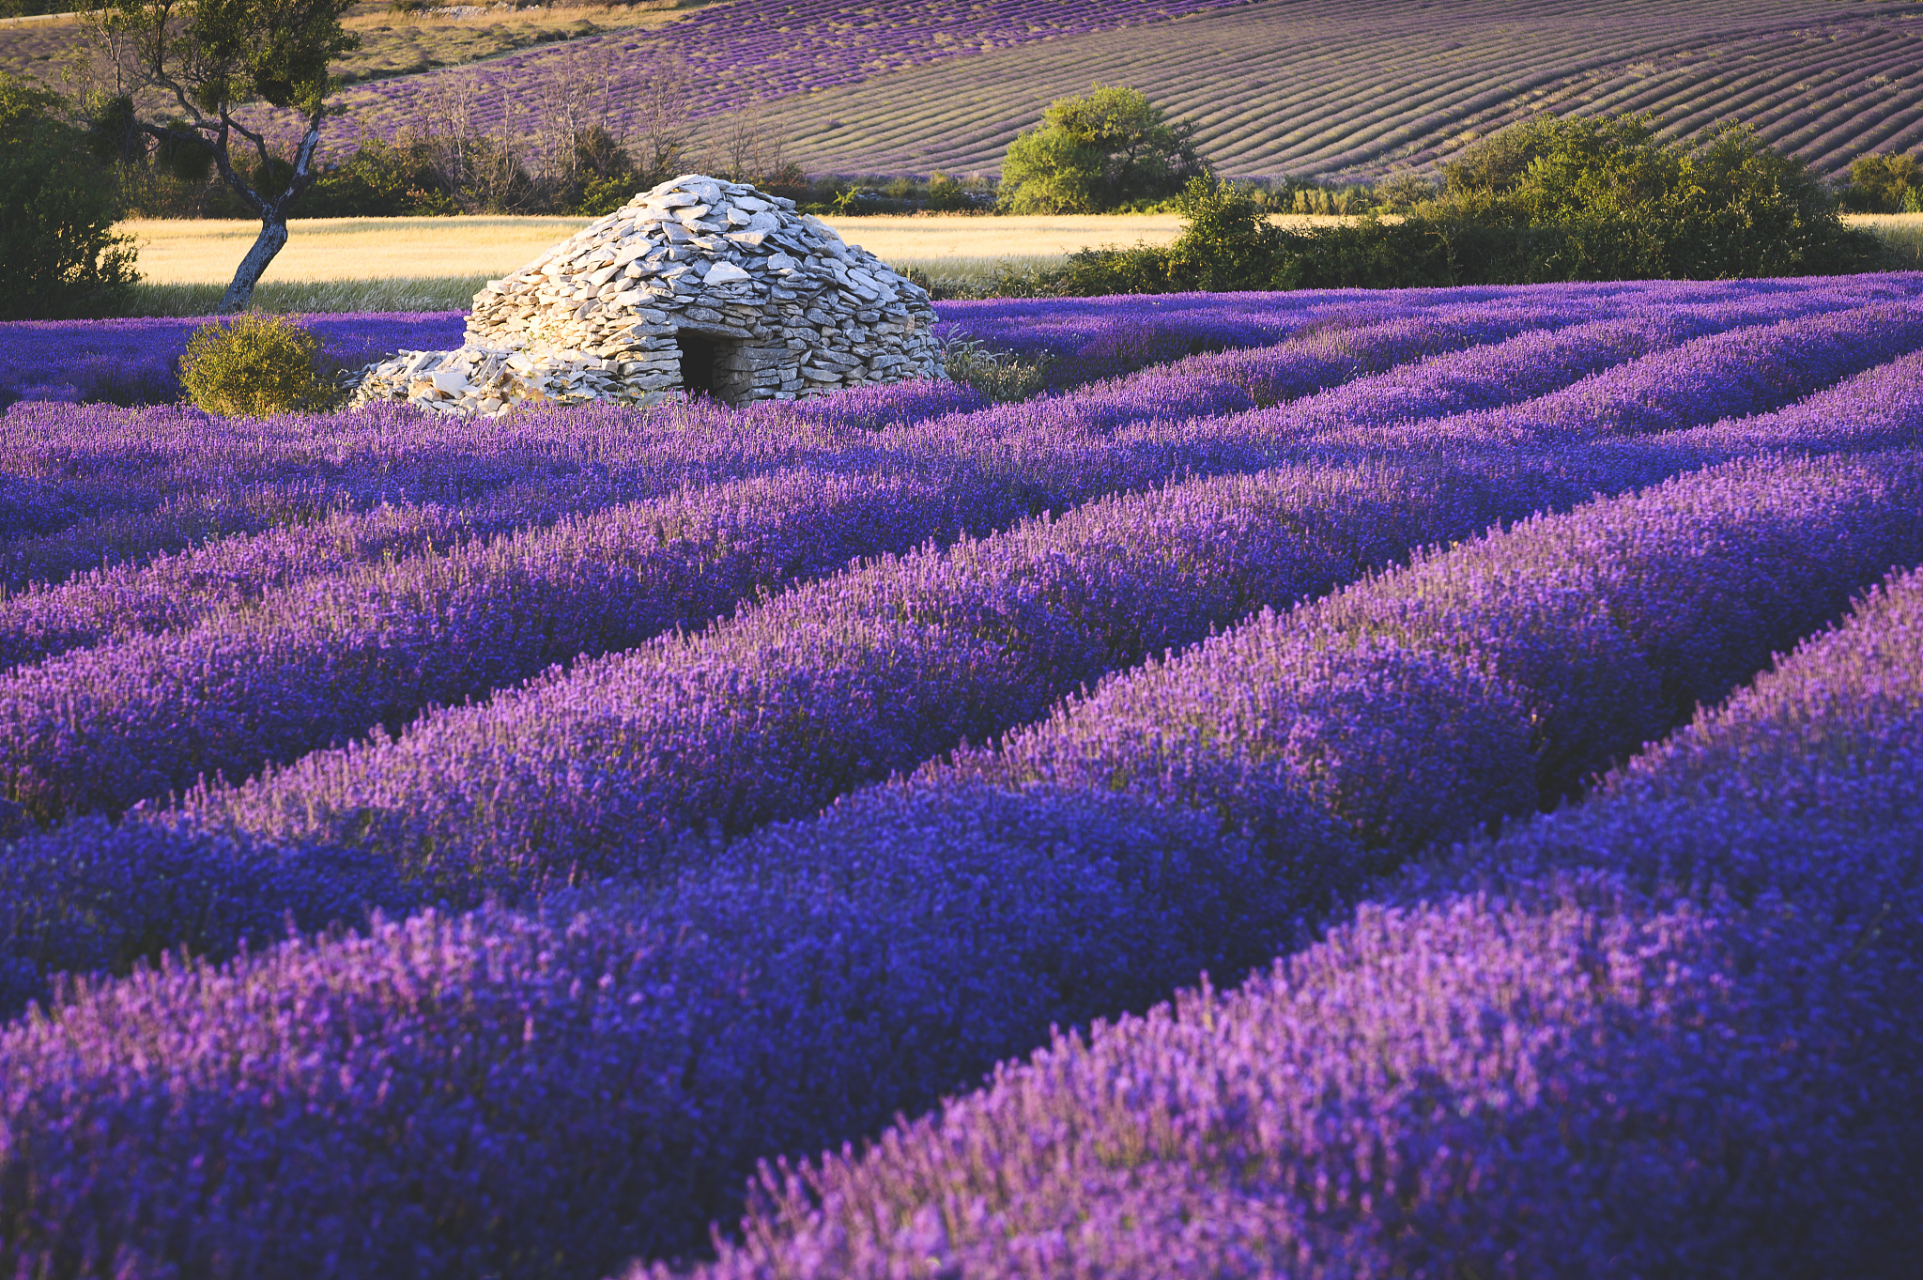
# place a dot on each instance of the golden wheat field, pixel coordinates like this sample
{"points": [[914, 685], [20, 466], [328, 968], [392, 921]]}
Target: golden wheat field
{"points": [[437, 264], [187, 252], [432, 264]]}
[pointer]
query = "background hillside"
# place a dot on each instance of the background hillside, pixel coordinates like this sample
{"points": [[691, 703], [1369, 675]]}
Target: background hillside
{"points": [[1347, 91], [1330, 89]]}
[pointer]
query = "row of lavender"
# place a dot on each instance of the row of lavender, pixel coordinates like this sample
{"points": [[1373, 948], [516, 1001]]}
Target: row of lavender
{"points": [[651, 1048], [1671, 1030], [329, 657], [335, 655], [132, 362], [546, 1092]]}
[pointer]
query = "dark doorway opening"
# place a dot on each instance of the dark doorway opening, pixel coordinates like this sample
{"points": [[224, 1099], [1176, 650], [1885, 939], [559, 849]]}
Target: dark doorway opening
{"points": [[699, 352]]}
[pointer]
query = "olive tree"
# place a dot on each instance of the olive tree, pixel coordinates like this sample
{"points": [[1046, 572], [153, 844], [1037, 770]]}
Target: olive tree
{"points": [[205, 60]]}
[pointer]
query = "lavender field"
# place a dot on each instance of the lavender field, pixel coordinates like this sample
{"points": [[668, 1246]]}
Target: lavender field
{"points": [[1421, 783], [1275, 86]]}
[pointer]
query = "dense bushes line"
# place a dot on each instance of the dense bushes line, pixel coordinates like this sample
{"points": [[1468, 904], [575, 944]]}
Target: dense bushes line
{"points": [[1553, 200]]}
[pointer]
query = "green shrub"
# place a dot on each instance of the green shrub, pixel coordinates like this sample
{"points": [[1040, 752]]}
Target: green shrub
{"points": [[999, 375], [1109, 150], [1555, 200], [256, 365], [59, 256], [1884, 184], [946, 194]]}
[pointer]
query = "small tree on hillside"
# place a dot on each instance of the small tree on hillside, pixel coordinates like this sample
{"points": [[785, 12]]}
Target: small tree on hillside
{"points": [[207, 59], [1096, 153]]}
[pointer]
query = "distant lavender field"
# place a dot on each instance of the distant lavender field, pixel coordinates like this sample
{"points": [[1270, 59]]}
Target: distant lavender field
{"points": [[740, 53], [1276, 87], [1317, 791]]}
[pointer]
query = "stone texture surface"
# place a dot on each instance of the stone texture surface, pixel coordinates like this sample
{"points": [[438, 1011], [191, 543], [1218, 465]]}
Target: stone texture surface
{"points": [[696, 286]]}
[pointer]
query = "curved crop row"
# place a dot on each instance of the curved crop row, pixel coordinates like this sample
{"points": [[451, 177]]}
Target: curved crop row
{"points": [[549, 1092], [1308, 89], [83, 486], [1621, 1037], [768, 714]]}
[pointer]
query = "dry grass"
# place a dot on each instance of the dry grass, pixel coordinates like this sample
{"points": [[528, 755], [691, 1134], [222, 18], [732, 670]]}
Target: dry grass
{"points": [[642, 13], [434, 293], [437, 264], [1903, 232], [336, 249]]}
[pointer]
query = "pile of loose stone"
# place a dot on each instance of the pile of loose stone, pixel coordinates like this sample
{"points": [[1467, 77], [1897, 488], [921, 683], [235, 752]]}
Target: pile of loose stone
{"points": [[783, 307]]}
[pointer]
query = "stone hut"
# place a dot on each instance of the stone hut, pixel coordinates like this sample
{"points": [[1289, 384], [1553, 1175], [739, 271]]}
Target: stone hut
{"points": [[698, 286]]}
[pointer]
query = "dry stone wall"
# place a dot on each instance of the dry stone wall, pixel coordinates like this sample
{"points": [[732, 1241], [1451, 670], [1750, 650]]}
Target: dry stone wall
{"points": [[695, 286]]}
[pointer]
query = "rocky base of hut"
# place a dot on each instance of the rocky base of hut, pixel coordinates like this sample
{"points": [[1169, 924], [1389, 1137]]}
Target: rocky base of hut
{"points": [[697, 287]]}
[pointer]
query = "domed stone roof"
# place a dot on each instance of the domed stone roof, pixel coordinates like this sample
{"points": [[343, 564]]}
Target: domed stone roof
{"points": [[696, 287]]}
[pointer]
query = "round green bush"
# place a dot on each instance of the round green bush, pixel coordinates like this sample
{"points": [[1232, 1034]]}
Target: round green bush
{"points": [[256, 365]]}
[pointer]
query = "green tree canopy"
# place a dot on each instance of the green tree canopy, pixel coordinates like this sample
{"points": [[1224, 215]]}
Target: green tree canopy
{"points": [[1632, 206], [1092, 154], [1885, 184], [59, 256], [207, 59]]}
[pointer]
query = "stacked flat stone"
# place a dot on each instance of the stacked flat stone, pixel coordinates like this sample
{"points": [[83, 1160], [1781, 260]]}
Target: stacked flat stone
{"points": [[772, 304]]}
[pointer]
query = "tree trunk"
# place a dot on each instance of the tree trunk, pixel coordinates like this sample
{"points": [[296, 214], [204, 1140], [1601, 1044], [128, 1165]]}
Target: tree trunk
{"points": [[273, 213], [273, 234]]}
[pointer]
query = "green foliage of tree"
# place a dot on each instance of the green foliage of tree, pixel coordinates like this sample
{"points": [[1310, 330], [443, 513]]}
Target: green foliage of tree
{"points": [[602, 176], [946, 195], [1107, 150], [208, 59], [1631, 206], [1599, 199], [59, 256], [1884, 184], [256, 365]]}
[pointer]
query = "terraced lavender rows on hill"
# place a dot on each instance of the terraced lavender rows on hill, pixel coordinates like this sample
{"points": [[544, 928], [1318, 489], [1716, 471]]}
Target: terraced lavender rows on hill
{"points": [[587, 1069], [1287, 87]]}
